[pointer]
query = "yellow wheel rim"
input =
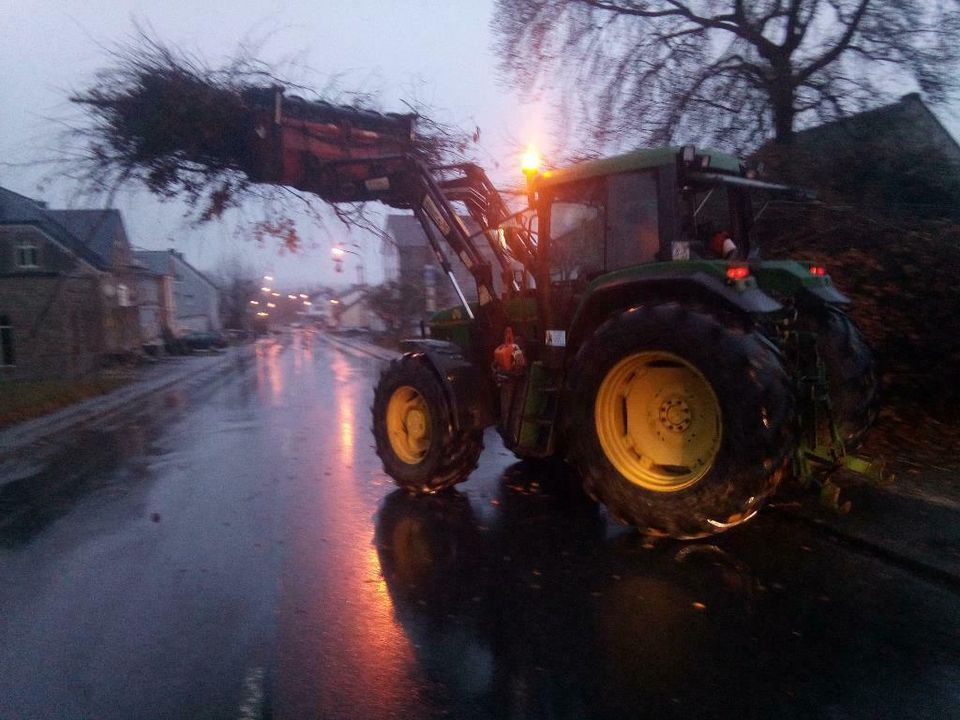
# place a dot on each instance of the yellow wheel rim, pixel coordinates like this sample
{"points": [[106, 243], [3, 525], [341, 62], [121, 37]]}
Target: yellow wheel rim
{"points": [[658, 421], [408, 424]]}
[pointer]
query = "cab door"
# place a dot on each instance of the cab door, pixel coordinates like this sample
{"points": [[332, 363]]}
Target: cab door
{"points": [[633, 225]]}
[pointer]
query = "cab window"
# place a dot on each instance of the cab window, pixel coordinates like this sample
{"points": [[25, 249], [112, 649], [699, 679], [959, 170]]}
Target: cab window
{"points": [[633, 226], [577, 220], [713, 209]]}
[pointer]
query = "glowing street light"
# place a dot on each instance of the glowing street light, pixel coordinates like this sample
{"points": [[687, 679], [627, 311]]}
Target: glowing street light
{"points": [[268, 278], [263, 314], [254, 302], [266, 289], [307, 302], [530, 162], [271, 305]]}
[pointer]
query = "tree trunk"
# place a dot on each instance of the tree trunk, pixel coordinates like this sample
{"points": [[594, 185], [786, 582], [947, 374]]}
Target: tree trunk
{"points": [[782, 103]]}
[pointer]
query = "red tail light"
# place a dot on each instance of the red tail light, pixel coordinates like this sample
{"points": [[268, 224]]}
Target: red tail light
{"points": [[818, 270], [738, 272]]}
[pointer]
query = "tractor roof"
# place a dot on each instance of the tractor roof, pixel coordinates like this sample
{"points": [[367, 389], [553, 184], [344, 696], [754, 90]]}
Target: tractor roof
{"points": [[634, 160]]}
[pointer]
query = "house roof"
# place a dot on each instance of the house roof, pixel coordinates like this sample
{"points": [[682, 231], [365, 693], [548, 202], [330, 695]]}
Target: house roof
{"points": [[406, 231], [162, 262], [96, 229], [886, 120], [63, 226], [156, 261]]}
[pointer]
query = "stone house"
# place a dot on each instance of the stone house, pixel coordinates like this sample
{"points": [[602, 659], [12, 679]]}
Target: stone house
{"points": [[182, 298], [67, 290]]}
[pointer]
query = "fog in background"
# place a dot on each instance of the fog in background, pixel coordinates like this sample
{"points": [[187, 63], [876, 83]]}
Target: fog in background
{"points": [[431, 52]]}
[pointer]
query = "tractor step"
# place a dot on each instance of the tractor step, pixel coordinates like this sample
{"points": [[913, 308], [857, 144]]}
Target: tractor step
{"points": [[539, 416]]}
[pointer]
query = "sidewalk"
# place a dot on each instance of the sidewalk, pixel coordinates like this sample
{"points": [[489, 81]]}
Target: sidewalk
{"points": [[152, 378], [914, 522], [918, 530]]}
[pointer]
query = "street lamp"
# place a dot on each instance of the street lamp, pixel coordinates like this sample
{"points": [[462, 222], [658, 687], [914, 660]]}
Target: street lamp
{"points": [[338, 251], [530, 164]]}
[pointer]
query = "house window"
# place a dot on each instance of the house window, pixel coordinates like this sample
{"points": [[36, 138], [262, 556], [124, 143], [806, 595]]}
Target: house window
{"points": [[6, 341], [28, 255]]}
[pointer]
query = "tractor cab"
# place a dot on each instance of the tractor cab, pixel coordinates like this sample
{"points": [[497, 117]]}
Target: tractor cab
{"points": [[641, 207]]}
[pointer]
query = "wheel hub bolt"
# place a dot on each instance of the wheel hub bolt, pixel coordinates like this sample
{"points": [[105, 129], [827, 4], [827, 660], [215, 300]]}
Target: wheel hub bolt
{"points": [[675, 415]]}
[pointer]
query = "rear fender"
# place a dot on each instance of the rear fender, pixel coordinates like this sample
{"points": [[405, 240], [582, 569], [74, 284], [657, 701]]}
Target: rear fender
{"points": [[465, 386], [795, 279], [741, 297]]}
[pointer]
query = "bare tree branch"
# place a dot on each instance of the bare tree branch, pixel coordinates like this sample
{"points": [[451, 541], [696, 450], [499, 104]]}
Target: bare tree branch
{"points": [[664, 69]]}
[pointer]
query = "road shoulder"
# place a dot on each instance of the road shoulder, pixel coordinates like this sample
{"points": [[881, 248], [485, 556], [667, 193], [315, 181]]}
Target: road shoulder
{"points": [[155, 379]]}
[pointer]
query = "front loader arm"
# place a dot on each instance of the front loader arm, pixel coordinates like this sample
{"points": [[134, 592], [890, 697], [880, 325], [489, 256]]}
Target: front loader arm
{"points": [[343, 154]]}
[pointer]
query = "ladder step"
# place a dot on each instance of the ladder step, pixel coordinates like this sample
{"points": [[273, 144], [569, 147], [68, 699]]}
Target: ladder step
{"points": [[537, 421]]}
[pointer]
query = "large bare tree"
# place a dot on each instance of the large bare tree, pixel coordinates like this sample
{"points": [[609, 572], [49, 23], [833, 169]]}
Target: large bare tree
{"points": [[733, 72]]}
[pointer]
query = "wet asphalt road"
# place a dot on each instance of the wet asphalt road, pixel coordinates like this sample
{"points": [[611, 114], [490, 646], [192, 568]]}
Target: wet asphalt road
{"points": [[232, 549]]}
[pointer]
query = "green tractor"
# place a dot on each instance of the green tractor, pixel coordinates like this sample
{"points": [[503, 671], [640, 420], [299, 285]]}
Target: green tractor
{"points": [[624, 322], [647, 345]]}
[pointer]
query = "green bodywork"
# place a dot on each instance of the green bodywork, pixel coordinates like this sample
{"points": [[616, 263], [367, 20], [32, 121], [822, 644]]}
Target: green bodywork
{"points": [[778, 278], [634, 160], [453, 324], [788, 277]]}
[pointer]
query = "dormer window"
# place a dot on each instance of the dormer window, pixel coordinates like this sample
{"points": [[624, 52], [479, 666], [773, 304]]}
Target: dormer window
{"points": [[28, 255]]}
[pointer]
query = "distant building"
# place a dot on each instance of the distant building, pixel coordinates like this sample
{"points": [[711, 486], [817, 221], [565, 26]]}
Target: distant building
{"points": [[350, 310], [154, 306], [409, 259], [896, 159], [67, 289], [186, 300]]}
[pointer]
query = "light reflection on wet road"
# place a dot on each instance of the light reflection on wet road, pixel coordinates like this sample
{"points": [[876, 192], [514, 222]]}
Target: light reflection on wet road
{"points": [[233, 549]]}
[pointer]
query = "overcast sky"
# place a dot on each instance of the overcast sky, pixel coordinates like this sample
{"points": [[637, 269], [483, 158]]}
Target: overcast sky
{"points": [[437, 52]]}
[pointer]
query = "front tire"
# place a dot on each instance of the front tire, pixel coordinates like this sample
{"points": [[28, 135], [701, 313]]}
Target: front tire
{"points": [[414, 430], [679, 424]]}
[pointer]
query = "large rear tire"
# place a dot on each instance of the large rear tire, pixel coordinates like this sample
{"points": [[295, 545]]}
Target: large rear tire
{"points": [[414, 430], [851, 375], [679, 424]]}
